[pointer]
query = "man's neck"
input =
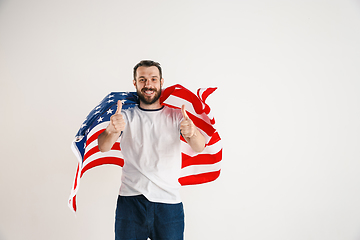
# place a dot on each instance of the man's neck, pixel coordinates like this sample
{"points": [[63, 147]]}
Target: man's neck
{"points": [[155, 105]]}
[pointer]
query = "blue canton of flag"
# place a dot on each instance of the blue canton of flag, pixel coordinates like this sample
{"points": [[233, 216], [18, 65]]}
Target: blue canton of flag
{"points": [[102, 113]]}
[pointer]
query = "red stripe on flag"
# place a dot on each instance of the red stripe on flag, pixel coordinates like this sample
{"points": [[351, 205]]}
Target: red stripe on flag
{"points": [[102, 161], [95, 149], [166, 93], [185, 94], [94, 137], [205, 94], [201, 159], [91, 152], [214, 139], [207, 128], [76, 176], [74, 203], [199, 178]]}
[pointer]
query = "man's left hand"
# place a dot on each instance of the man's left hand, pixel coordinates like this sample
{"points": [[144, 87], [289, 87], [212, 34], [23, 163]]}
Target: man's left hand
{"points": [[187, 127]]}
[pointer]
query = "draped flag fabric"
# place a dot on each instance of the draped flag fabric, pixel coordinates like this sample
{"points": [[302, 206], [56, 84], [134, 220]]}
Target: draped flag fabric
{"points": [[196, 168]]}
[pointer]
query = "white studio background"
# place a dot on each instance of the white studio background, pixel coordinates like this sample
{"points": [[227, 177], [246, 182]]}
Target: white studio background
{"points": [[287, 108]]}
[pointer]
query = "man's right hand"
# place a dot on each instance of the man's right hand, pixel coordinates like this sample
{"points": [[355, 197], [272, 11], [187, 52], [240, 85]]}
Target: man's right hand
{"points": [[117, 122]]}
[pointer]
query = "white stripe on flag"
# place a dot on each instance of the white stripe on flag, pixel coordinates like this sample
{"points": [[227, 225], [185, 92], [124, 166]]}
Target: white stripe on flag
{"points": [[95, 156], [211, 149], [178, 102], [198, 169], [97, 128]]}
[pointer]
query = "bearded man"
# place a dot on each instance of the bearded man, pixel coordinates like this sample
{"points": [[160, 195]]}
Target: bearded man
{"points": [[149, 203]]}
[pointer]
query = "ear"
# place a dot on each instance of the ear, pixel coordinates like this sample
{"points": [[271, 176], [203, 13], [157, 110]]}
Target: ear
{"points": [[134, 82], [161, 82]]}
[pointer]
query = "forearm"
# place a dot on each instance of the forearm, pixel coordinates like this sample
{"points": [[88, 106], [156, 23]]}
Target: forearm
{"points": [[106, 140], [197, 141]]}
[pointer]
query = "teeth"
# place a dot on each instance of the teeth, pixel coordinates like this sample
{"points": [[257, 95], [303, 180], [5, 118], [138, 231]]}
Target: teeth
{"points": [[149, 92]]}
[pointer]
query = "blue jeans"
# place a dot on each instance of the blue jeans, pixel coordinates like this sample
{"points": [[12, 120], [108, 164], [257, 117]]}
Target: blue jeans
{"points": [[139, 219]]}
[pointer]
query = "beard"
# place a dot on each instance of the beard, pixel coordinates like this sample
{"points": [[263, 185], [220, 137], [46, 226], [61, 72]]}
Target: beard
{"points": [[147, 99]]}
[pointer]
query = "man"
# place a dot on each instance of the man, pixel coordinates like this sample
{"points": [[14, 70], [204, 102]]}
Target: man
{"points": [[149, 203]]}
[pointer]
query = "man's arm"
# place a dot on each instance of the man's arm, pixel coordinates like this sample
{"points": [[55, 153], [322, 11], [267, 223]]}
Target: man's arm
{"points": [[191, 133], [117, 124]]}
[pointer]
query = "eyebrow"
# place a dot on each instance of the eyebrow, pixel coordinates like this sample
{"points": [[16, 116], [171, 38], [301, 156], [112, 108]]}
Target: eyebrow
{"points": [[151, 77]]}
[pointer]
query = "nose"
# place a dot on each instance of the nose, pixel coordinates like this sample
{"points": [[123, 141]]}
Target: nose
{"points": [[147, 83]]}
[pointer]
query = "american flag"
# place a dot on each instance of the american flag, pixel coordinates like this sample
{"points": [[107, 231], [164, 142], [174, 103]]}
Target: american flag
{"points": [[196, 168]]}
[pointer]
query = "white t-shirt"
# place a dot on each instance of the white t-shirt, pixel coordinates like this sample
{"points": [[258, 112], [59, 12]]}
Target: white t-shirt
{"points": [[150, 144]]}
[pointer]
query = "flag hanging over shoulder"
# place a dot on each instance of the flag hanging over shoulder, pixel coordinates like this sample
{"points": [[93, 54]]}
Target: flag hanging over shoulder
{"points": [[196, 168]]}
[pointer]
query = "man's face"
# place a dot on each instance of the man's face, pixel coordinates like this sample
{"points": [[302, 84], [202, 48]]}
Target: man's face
{"points": [[148, 84]]}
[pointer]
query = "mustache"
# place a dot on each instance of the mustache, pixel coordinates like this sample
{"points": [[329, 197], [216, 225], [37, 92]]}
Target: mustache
{"points": [[148, 89]]}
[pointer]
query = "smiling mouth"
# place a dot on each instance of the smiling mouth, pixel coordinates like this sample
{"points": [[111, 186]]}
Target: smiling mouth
{"points": [[149, 92]]}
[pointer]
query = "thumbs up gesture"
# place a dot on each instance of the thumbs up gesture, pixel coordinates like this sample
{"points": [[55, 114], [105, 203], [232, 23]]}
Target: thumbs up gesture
{"points": [[187, 127], [117, 122]]}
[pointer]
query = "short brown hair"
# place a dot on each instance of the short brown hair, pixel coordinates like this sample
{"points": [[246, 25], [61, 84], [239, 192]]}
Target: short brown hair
{"points": [[147, 63]]}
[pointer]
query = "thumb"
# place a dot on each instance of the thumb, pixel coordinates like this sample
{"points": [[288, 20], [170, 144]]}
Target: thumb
{"points": [[119, 107], [184, 112]]}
